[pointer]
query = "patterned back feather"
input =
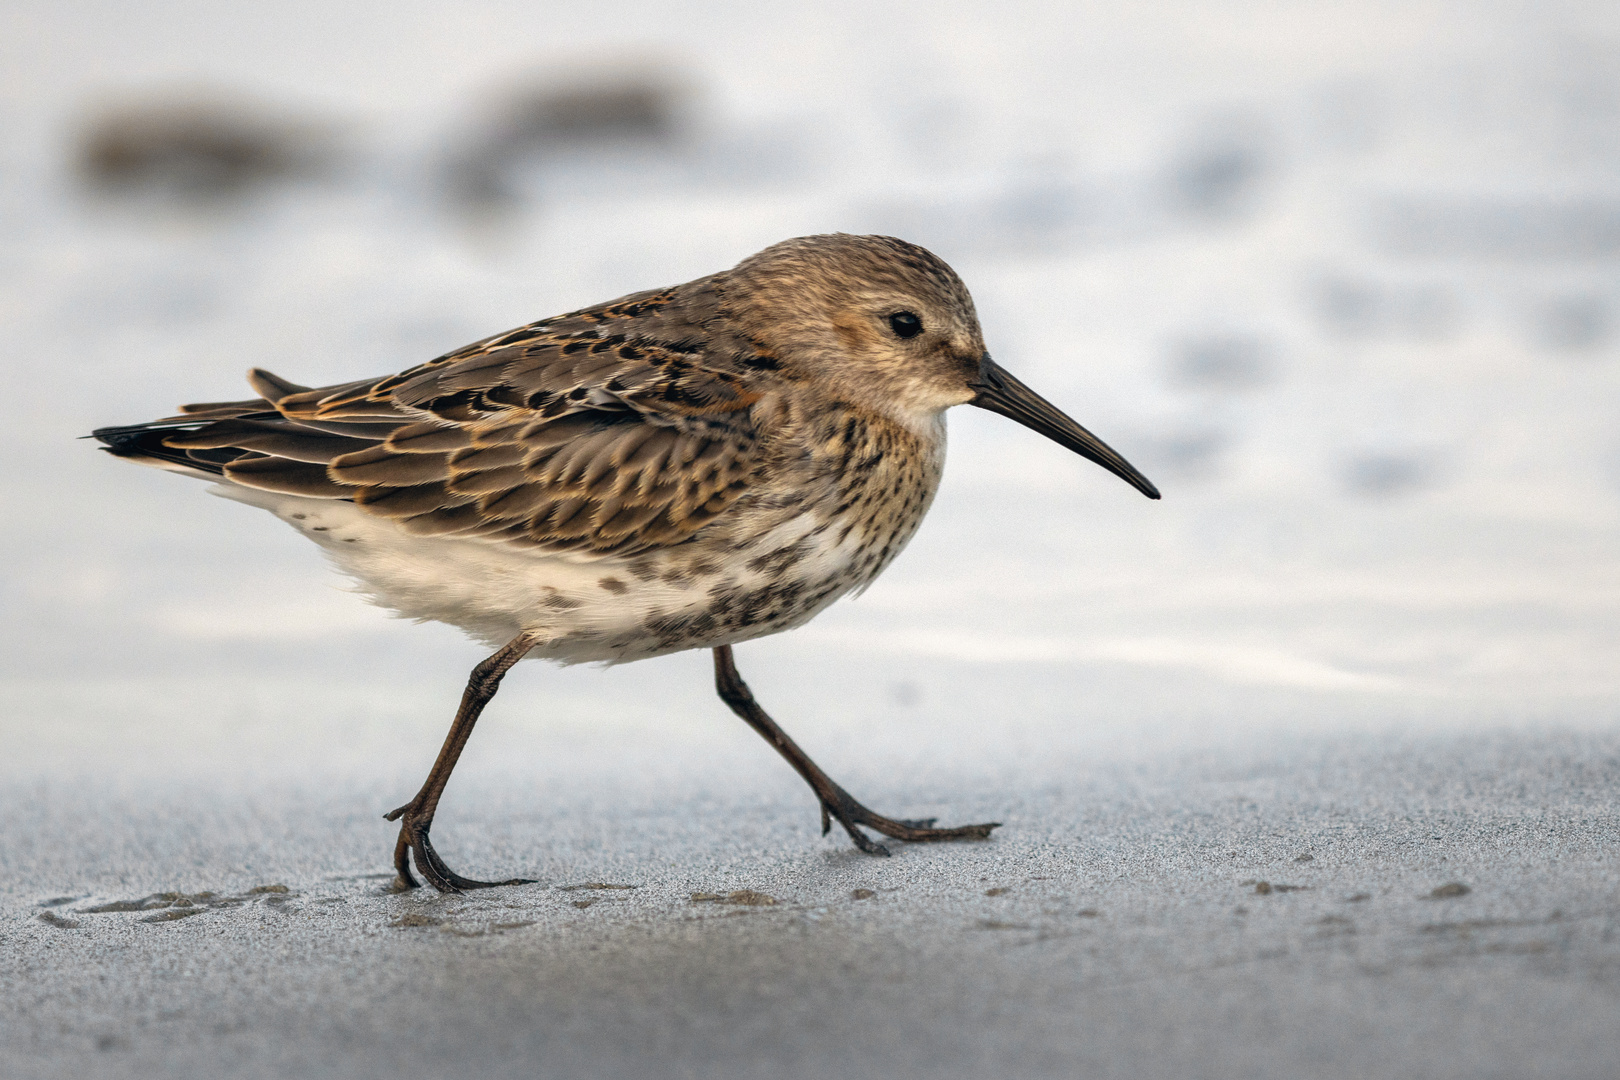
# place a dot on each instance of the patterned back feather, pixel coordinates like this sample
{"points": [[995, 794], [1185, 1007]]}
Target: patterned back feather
{"points": [[613, 429]]}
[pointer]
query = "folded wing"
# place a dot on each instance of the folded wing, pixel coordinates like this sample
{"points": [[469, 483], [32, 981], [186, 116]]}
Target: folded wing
{"points": [[564, 436]]}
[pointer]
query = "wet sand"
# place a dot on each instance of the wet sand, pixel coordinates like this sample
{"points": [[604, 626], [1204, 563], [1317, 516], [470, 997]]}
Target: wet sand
{"points": [[1445, 905]]}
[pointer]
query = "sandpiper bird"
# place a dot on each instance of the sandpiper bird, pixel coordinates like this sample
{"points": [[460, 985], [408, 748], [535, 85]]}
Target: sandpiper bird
{"points": [[682, 468]]}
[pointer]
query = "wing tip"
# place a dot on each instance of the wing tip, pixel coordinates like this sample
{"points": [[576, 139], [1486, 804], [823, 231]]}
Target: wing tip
{"points": [[272, 387]]}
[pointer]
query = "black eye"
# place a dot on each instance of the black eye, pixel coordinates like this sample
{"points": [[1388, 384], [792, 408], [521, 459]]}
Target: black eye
{"points": [[905, 324]]}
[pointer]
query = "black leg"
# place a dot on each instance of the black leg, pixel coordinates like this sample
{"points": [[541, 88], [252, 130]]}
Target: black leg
{"points": [[835, 801], [416, 816]]}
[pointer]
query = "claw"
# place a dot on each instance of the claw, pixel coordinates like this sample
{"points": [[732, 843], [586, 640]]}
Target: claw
{"points": [[416, 816], [835, 801], [851, 814], [413, 838], [402, 864]]}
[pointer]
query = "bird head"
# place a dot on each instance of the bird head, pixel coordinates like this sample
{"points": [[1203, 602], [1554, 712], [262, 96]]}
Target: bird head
{"points": [[887, 325]]}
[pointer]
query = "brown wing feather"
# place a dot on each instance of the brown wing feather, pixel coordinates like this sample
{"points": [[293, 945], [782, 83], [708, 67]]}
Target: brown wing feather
{"points": [[599, 456], [588, 432]]}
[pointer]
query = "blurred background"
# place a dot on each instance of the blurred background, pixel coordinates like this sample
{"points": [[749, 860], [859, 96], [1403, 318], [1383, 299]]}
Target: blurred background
{"points": [[1342, 278]]}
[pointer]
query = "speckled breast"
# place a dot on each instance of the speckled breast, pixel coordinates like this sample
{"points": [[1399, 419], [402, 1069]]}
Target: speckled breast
{"points": [[789, 550]]}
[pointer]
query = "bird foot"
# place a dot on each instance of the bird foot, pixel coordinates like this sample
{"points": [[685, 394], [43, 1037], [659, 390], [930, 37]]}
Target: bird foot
{"points": [[413, 837], [851, 815]]}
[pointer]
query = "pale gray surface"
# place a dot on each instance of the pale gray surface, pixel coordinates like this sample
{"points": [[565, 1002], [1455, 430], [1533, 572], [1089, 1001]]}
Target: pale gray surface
{"points": [[1130, 941]]}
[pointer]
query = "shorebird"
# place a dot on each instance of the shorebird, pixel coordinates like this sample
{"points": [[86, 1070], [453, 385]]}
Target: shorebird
{"points": [[682, 468]]}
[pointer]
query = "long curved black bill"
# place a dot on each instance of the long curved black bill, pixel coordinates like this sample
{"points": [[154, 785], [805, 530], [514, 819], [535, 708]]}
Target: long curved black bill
{"points": [[1001, 393]]}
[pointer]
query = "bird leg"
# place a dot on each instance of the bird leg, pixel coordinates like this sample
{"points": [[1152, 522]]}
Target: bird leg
{"points": [[416, 816], [835, 801]]}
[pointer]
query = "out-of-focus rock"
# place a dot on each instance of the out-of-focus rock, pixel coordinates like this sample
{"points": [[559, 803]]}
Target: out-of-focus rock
{"points": [[634, 110], [197, 146], [590, 114]]}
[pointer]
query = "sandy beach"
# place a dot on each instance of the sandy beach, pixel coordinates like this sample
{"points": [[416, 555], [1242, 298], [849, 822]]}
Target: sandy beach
{"points": [[1364, 905]]}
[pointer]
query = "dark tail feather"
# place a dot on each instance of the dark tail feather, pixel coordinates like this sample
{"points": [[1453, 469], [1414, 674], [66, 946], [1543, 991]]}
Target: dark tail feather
{"points": [[144, 442]]}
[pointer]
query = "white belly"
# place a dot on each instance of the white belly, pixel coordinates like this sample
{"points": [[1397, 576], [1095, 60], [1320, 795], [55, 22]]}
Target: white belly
{"points": [[585, 608]]}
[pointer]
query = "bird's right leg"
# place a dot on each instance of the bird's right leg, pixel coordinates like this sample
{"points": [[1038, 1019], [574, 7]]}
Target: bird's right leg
{"points": [[416, 816], [835, 801]]}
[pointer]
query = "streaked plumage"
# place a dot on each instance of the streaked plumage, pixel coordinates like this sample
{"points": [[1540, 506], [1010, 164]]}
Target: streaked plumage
{"points": [[682, 468]]}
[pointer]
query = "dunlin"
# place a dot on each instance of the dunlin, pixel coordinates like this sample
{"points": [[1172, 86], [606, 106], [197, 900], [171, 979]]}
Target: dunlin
{"points": [[683, 468]]}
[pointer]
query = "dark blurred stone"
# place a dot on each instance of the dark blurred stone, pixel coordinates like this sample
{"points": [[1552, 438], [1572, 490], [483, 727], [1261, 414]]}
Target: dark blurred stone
{"points": [[636, 110], [595, 114], [197, 147]]}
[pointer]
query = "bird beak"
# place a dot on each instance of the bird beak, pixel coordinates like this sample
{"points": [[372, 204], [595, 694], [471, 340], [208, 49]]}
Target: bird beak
{"points": [[1001, 393]]}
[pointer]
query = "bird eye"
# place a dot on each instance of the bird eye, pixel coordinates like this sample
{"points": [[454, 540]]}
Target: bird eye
{"points": [[905, 324]]}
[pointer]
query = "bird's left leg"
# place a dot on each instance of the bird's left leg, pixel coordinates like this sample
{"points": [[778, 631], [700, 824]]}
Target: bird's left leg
{"points": [[416, 816], [835, 801]]}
